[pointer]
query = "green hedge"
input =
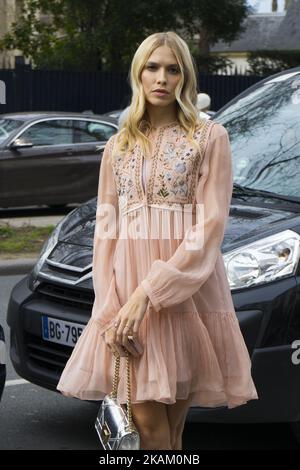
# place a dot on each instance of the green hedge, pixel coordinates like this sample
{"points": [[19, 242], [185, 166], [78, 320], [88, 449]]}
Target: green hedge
{"points": [[273, 61]]}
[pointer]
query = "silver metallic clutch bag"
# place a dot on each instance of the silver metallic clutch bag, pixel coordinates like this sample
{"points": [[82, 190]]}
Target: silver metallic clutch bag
{"points": [[114, 423]]}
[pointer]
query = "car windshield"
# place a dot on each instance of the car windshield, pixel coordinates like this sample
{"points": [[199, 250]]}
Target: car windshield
{"points": [[7, 126], [264, 130]]}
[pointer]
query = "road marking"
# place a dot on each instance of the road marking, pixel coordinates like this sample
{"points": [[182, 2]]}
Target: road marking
{"points": [[9, 383]]}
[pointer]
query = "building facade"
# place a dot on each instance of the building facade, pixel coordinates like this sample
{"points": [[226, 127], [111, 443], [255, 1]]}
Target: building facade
{"points": [[9, 13]]}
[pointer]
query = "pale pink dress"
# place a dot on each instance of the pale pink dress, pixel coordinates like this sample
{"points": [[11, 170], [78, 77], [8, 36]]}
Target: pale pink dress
{"points": [[192, 340]]}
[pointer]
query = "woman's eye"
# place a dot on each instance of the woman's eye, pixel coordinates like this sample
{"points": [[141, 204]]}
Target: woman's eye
{"points": [[172, 70]]}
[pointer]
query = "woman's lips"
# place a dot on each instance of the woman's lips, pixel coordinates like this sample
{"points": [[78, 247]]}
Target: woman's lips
{"points": [[161, 93]]}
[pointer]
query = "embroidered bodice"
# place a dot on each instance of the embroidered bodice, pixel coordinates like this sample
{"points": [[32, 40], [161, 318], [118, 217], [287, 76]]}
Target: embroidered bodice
{"points": [[168, 178]]}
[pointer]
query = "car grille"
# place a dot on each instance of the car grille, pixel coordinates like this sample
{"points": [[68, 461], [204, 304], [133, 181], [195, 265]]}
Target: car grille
{"points": [[80, 299], [48, 355]]}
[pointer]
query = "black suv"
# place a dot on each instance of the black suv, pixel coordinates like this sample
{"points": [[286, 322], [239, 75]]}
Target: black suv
{"points": [[49, 307]]}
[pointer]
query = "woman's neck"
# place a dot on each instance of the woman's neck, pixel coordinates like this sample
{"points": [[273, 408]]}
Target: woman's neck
{"points": [[158, 116]]}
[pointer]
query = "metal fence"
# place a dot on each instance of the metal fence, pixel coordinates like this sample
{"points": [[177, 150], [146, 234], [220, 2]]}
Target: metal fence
{"points": [[54, 90]]}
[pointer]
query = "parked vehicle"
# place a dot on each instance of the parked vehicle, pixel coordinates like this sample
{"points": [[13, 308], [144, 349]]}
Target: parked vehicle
{"points": [[51, 158], [2, 361], [119, 116], [49, 308], [114, 113]]}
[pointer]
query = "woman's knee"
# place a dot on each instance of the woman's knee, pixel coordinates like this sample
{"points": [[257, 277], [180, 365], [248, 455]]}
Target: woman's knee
{"points": [[152, 423]]}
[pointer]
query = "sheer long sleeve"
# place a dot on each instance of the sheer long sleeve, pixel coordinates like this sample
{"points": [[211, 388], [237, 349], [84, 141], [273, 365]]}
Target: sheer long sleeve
{"points": [[171, 282], [106, 304]]}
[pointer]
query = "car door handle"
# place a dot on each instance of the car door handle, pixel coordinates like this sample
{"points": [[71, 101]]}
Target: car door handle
{"points": [[69, 151], [99, 147]]}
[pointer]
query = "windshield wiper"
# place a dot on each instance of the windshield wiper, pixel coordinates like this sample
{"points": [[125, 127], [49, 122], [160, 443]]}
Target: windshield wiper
{"points": [[237, 188]]}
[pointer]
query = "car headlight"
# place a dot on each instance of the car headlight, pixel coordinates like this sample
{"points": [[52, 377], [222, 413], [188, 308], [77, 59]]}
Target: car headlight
{"points": [[46, 250], [262, 261]]}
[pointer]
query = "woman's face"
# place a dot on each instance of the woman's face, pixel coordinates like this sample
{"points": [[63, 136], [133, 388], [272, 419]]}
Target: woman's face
{"points": [[161, 71]]}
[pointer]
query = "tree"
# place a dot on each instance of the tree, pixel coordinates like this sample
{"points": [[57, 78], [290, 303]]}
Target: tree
{"points": [[268, 62], [274, 5], [54, 34], [287, 4], [86, 35], [103, 34], [213, 21]]}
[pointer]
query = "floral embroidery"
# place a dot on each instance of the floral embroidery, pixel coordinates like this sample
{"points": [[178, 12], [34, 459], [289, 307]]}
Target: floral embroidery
{"points": [[124, 168], [163, 191], [177, 163], [173, 173]]}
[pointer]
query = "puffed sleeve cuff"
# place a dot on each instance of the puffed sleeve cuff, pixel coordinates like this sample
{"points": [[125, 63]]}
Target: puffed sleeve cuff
{"points": [[146, 285]]}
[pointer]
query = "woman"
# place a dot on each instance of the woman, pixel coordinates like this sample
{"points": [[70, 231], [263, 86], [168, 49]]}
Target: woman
{"points": [[166, 287]]}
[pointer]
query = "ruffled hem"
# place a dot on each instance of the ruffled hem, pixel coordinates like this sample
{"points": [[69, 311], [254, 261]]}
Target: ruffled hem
{"points": [[185, 354]]}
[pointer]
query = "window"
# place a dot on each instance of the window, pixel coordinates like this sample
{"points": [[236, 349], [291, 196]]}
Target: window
{"points": [[264, 130], [8, 126], [54, 132], [92, 131]]}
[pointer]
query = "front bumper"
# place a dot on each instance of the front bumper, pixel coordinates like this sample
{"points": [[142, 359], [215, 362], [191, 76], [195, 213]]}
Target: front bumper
{"points": [[34, 359]]}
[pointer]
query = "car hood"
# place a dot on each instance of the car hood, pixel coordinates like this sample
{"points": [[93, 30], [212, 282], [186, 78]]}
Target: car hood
{"points": [[78, 226], [70, 260], [246, 223]]}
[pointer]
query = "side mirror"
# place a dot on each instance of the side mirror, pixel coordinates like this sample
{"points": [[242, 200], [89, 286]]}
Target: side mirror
{"points": [[21, 142]]}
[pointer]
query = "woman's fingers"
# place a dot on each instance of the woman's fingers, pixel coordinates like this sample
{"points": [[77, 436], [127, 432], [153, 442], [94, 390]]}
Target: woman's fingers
{"points": [[117, 347], [123, 330], [127, 323], [118, 350], [121, 351], [133, 348], [109, 339], [136, 327], [125, 344]]}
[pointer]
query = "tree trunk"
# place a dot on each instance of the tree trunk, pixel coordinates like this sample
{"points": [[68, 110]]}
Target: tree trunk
{"points": [[204, 49], [274, 5]]}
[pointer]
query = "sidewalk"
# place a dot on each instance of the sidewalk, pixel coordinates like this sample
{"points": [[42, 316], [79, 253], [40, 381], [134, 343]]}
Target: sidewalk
{"points": [[34, 221], [9, 267]]}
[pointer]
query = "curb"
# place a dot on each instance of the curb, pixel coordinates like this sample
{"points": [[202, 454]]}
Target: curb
{"points": [[37, 221], [16, 266]]}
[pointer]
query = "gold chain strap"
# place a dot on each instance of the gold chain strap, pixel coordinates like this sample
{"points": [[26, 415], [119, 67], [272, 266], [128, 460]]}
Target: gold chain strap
{"points": [[113, 393]]}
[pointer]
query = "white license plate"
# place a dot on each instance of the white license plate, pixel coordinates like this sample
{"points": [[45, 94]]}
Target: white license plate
{"points": [[59, 331]]}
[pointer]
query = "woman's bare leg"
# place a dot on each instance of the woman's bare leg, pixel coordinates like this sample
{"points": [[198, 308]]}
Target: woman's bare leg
{"points": [[152, 422], [177, 413]]}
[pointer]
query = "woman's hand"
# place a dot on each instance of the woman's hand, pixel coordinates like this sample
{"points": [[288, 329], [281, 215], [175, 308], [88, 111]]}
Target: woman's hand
{"points": [[127, 323]]}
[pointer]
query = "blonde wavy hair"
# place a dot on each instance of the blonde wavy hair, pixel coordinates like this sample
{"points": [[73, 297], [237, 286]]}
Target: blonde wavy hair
{"points": [[131, 131]]}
